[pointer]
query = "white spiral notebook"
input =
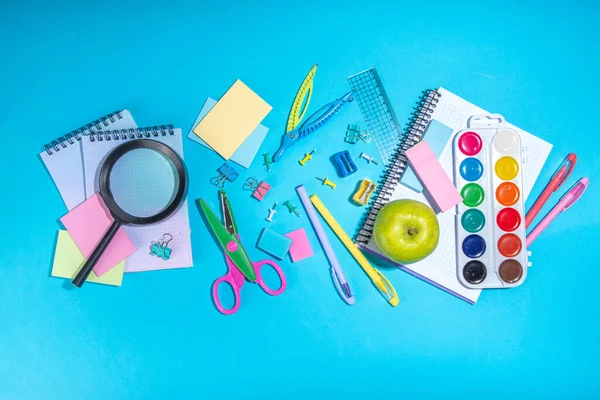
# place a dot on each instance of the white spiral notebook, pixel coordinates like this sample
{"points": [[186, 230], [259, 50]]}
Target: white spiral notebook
{"points": [[63, 160], [439, 268], [95, 148]]}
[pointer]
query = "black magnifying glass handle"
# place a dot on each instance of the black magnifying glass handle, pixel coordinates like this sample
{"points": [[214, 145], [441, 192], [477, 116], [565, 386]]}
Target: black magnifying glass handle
{"points": [[90, 263]]}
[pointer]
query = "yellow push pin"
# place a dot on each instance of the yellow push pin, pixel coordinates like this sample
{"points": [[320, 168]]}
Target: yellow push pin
{"points": [[307, 157], [327, 182]]}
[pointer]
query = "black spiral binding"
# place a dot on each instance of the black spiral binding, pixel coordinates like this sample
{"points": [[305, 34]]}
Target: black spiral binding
{"points": [[390, 178], [133, 133], [89, 129]]}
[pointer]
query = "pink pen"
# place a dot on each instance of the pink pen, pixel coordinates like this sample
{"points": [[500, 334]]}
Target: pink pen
{"points": [[566, 201]]}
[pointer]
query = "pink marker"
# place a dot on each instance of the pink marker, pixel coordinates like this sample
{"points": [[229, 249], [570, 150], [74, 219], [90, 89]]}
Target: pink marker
{"points": [[566, 201]]}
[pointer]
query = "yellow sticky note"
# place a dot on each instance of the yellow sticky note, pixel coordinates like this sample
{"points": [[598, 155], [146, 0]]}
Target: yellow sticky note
{"points": [[229, 123], [68, 260]]}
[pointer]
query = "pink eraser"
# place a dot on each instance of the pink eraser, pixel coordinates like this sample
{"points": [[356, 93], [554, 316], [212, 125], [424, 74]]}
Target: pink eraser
{"points": [[300, 248], [433, 177]]}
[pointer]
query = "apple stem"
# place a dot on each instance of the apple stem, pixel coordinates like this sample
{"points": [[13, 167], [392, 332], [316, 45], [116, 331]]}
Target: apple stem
{"points": [[412, 231]]}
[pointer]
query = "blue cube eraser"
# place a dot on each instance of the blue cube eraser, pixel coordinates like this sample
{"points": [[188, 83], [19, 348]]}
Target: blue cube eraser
{"points": [[273, 243]]}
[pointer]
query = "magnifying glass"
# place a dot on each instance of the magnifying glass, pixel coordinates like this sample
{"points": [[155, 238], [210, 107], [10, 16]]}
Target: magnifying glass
{"points": [[142, 182]]}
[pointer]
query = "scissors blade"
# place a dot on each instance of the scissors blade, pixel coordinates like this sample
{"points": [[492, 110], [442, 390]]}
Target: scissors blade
{"points": [[229, 242], [222, 234], [228, 219]]}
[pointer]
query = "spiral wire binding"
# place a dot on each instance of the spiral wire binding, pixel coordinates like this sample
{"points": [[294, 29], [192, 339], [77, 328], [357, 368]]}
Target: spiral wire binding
{"points": [[89, 129], [415, 129], [133, 133]]}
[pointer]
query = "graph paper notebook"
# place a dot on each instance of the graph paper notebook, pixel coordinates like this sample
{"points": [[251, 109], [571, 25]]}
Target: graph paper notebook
{"points": [[63, 160], [95, 149], [448, 109]]}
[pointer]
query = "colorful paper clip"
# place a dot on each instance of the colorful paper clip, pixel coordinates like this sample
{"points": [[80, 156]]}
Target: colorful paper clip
{"points": [[370, 159], [354, 134], [267, 161], [260, 190], [364, 191], [160, 248], [292, 208], [327, 182], [307, 157], [343, 163], [272, 212], [226, 174]]}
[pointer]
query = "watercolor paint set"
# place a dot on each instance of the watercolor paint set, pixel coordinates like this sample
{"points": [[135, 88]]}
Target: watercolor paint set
{"points": [[490, 221]]}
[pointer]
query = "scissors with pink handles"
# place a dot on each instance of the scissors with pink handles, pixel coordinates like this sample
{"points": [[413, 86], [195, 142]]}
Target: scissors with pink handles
{"points": [[238, 262]]}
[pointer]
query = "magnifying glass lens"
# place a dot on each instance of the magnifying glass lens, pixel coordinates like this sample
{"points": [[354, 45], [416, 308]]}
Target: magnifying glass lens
{"points": [[143, 182]]}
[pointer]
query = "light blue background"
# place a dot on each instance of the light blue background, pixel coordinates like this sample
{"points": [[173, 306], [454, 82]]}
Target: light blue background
{"points": [[159, 336]]}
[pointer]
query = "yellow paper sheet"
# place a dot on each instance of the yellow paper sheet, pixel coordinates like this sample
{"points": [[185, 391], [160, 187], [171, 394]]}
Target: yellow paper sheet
{"points": [[229, 123], [68, 260]]}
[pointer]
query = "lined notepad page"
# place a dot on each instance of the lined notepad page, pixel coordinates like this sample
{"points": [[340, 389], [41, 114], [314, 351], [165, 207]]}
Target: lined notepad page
{"points": [[178, 225], [440, 267], [65, 165]]}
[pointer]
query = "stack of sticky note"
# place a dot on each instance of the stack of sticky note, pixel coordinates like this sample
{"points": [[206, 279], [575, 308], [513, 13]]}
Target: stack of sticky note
{"points": [[85, 226], [231, 126]]}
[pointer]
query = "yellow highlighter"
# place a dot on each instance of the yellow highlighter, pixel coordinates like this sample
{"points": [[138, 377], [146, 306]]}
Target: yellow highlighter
{"points": [[381, 283]]}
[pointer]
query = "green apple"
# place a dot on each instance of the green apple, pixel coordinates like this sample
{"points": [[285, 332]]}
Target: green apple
{"points": [[406, 231]]}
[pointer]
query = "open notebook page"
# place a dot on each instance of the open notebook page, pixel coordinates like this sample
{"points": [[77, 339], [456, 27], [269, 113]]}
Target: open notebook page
{"points": [[439, 268]]}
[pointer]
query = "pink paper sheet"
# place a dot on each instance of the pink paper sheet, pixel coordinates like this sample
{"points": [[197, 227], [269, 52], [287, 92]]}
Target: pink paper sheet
{"points": [[87, 223], [300, 248]]}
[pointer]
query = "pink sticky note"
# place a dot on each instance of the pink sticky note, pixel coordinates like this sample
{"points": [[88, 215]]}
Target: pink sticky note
{"points": [[87, 223], [300, 248], [433, 177]]}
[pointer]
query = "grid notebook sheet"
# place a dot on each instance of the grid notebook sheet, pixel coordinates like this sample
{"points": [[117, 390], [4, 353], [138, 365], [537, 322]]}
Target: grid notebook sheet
{"points": [[63, 160], [440, 267], [95, 149]]}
